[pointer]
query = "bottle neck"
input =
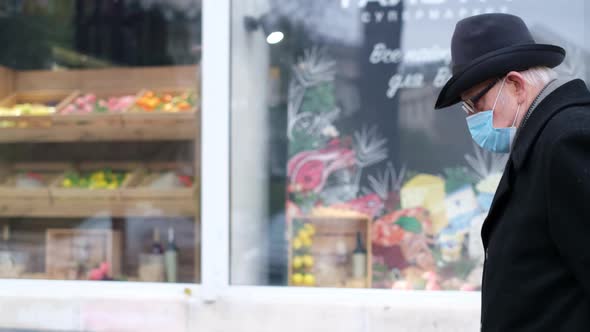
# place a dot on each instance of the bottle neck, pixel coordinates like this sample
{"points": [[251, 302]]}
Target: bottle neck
{"points": [[170, 235], [6, 233], [360, 249], [156, 235], [171, 244]]}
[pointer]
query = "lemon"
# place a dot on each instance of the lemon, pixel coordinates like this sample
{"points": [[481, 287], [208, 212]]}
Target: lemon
{"points": [[303, 234], [306, 242], [297, 262], [297, 244], [97, 177], [310, 229], [297, 279], [307, 261], [67, 183], [309, 280]]}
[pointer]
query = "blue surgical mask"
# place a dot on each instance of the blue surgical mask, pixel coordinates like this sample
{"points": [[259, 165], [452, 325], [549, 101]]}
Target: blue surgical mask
{"points": [[481, 127]]}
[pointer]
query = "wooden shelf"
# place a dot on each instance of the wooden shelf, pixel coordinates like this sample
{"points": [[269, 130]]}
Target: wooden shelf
{"points": [[86, 207], [103, 127]]}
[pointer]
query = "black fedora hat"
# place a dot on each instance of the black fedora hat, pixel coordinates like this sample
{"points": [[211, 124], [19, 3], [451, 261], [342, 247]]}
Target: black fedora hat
{"points": [[491, 45]]}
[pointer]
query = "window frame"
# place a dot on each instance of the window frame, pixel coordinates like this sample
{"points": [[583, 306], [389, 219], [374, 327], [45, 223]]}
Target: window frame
{"points": [[216, 217]]}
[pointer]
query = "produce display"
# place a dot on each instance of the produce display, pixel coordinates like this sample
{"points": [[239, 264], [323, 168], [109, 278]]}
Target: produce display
{"points": [[27, 109], [303, 261], [90, 103], [102, 179], [169, 180], [24, 110], [90, 144], [29, 180], [151, 101]]}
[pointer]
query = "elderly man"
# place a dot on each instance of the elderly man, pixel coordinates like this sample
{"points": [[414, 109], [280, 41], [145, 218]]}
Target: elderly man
{"points": [[537, 233]]}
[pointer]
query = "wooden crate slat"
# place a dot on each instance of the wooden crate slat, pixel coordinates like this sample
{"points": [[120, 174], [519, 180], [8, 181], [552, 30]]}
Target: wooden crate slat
{"points": [[112, 78], [103, 127], [97, 208], [42, 96]]}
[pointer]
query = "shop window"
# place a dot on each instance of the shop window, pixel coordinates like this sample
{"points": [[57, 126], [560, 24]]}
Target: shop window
{"points": [[99, 140], [343, 174]]}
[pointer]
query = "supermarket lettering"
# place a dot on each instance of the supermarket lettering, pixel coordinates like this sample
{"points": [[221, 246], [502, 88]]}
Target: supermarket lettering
{"points": [[363, 3], [432, 14], [419, 10], [388, 3]]}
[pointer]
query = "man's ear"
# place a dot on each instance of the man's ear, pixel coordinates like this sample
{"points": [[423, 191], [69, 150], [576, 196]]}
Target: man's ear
{"points": [[517, 84]]}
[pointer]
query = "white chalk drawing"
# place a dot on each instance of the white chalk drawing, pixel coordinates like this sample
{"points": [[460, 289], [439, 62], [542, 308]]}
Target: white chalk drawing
{"points": [[484, 163], [314, 68], [390, 180], [370, 147]]}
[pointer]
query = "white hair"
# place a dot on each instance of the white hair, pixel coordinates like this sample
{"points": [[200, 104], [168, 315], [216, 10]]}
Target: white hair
{"points": [[539, 76]]}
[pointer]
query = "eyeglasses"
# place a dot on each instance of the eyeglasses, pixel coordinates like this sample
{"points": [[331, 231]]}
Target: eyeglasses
{"points": [[469, 104]]}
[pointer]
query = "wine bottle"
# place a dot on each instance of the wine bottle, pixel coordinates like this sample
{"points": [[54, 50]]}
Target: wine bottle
{"points": [[359, 258], [171, 258], [5, 243], [157, 248]]}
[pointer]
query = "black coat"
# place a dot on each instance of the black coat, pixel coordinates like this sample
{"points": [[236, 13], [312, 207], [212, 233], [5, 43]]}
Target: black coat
{"points": [[537, 233]]}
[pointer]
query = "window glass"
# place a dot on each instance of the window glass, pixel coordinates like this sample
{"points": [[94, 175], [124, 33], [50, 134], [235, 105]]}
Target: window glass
{"points": [[99, 140], [343, 174]]}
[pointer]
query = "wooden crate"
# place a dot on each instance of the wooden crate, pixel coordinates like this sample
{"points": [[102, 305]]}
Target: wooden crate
{"points": [[139, 188], [154, 124], [57, 202], [181, 200], [72, 253], [91, 126], [330, 268], [59, 193], [173, 90], [128, 126], [119, 78], [7, 81], [49, 172], [56, 98]]}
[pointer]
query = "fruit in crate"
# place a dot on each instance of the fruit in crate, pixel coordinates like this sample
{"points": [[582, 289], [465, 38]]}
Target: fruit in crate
{"points": [[29, 180], [171, 180], [307, 261], [309, 280], [103, 179], [27, 109], [297, 262], [151, 101], [297, 244], [297, 279], [310, 229], [89, 103]]}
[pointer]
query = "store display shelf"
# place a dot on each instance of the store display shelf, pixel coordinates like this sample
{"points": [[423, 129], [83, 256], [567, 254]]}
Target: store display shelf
{"points": [[100, 127], [97, 188], [184, 206]]}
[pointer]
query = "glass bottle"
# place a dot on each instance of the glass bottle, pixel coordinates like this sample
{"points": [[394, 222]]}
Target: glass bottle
{"points": [[171, 258], [359, 258]]}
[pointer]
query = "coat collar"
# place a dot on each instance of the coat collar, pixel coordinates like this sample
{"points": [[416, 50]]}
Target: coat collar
{"points": [[569, 94]]}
